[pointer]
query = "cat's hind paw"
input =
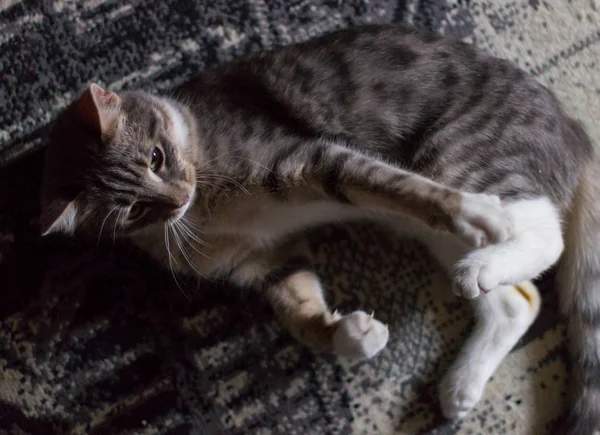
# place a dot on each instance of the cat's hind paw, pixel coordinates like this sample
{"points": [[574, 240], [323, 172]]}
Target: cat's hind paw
{"points": [[457, 397], [359, 336]]}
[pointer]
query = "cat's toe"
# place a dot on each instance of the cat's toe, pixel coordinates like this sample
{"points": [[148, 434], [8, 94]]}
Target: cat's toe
{"points": [[457, 399], [483, 220], [466, 281], [359, 336], [472, 276]]}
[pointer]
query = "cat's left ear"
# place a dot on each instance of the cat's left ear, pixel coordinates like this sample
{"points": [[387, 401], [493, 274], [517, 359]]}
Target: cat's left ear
{"points": [[59, 217], [98, 110]]}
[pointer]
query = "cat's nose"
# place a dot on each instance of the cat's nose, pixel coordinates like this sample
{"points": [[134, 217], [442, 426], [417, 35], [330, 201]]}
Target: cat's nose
{"points": [[182, 200], [174, 202]]}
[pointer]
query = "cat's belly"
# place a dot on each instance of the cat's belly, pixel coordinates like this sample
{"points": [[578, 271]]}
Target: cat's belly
{"points": [[243, 231], [285, 219], [290, 219]]}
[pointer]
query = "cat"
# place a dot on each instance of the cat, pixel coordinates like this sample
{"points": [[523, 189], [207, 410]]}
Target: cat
{"points": [[428, 135]]}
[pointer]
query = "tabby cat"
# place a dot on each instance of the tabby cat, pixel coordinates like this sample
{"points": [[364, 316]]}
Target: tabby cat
{"points": [[428, 135]]}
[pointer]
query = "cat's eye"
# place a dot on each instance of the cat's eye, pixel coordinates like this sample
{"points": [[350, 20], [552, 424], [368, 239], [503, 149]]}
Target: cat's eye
{"points": [[157, 160], [137, 210]]}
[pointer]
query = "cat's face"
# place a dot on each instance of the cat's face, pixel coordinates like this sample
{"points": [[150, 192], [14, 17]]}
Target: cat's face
{"points": [[116, 165]]}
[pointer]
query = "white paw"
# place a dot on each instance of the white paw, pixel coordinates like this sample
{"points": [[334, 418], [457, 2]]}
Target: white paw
{"points": [[483, 220], [459, 394], [358, 336], [473, 275]]}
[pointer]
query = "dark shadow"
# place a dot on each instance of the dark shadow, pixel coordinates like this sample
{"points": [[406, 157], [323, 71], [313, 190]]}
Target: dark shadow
{"points": [[88, 326]]}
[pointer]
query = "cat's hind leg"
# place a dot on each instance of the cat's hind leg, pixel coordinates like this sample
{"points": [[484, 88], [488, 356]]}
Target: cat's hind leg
{"points": [[502, 317], [296, 295], [535, 245]]}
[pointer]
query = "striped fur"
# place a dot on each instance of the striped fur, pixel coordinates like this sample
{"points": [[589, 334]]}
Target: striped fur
{"points": [[376, 121]]}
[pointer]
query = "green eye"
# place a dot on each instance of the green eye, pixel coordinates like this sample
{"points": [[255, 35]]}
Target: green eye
{"points": [[137, 210], [157, 160]]}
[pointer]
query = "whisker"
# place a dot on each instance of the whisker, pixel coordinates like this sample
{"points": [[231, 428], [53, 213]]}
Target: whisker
{"points": [[191, 235], [191, 224], [115, 226], [229, 179], [223, 154], [255, 162], [183, 252], [103, 222], [170, 256], [191, 245], [221, 189]]}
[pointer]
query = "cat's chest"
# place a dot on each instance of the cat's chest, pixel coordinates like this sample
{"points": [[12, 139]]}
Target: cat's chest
{"points": [[211, 247]]}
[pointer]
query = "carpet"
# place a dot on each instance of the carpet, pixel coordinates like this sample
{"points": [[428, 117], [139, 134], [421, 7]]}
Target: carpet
{"points": [[94, 339]]}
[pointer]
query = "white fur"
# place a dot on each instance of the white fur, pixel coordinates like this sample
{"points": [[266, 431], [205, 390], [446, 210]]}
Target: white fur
{"points": [[533, 243], [180, 135], [503, 316], [180, 132], [66, 222], [482, 220], [536, 244], [290, 218], [359, 336]]}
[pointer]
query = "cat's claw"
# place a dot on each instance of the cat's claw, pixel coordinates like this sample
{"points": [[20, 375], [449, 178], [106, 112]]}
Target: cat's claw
{"points": [[359, 336], [483, 220]]}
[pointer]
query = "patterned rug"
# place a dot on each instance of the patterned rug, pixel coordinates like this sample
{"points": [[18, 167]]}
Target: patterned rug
{"points": [[96, 340]]}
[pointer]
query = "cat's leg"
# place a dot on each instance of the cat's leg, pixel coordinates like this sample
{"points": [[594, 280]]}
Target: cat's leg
{"points": [[296, 295], [298, 301], [345, 175], [536, 245], [501, 319]]}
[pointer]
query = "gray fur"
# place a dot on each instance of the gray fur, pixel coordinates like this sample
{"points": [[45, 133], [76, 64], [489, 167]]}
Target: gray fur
{"points": [[438, 107], [354, 115]]}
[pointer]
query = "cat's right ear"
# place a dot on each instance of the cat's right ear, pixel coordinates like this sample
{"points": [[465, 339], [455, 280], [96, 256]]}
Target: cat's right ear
{"points": [[98, 110], [59, 217]]}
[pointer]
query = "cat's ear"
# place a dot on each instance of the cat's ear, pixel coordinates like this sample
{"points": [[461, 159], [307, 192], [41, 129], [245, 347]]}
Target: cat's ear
{"points": [[60, 217], [98, 110]]}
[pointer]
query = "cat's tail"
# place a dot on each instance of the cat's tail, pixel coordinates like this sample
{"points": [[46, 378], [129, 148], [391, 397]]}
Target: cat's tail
{"points": [[579, 287]]}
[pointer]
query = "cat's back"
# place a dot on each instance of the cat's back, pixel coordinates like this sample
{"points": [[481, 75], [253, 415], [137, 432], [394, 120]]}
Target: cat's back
{"points": [[435, 105]]}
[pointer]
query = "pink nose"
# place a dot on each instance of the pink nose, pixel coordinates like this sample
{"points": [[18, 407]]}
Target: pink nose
{"points": [[182, 200]]}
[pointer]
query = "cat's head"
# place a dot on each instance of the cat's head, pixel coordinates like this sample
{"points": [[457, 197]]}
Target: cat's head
{"points": [[118, 163]]}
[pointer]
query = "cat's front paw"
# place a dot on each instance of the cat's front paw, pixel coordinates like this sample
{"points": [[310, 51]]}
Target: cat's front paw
{"points": [[483, 220], [473, 276], [359, 336]]}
